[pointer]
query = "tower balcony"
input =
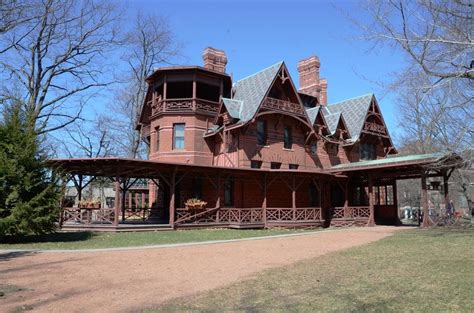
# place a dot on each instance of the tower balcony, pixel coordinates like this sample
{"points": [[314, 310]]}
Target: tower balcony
{"points": [[185, 105]]}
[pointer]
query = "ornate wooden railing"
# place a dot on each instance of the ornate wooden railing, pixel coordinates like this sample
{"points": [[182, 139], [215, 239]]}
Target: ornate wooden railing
{"points": [[88, 216], [136, 214], [247, 216], [373, 127], [185, 105], [280, 105], [293, 215], [355, 212]]}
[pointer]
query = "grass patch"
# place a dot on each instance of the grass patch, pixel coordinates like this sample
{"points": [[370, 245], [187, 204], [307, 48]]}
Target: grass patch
{"points": [[412, 271], [89, 240]]}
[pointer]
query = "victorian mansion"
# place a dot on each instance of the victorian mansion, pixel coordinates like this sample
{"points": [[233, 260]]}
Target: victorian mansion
{"points": [[256, 152]]}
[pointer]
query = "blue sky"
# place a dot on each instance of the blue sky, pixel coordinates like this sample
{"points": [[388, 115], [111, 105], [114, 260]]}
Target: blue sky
{"points": [[256, 34]]}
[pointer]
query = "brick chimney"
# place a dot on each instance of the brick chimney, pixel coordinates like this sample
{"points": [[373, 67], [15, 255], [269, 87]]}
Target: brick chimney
{"points": [[323, 94], [310, 83], [214, 59]]}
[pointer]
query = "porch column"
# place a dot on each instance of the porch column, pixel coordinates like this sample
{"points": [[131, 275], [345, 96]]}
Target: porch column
{"points": [[346, 196], [122, 203], [172, 198], [218, 200], [117, 200], [264, 203], [424, 201], [395, 202], [446, 190], [79, 189], [371, 221]]}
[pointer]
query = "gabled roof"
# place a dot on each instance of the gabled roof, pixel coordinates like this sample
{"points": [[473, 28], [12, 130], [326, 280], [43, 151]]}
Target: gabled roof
{"points": [[251, 90], [332, 120], [354, 111], [233, 107], [313, 113]]}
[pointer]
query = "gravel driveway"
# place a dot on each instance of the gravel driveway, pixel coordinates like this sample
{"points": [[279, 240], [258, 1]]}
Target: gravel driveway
{"points": [[114, 281]]}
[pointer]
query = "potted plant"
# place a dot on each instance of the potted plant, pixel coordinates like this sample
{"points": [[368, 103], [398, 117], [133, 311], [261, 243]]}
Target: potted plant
{"points": [[90, 203], [195, 204]]}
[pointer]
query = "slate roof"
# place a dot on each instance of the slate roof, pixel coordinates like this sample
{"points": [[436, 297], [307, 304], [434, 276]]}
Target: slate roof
{"points": [[312, 113], [234, 107], [353, 110], [251, 90], [332, 120]]}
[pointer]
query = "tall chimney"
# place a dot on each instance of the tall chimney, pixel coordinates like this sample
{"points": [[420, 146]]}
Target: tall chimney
{"points": [[323, 94], [310, 83], [214, 59], [308, 70]]}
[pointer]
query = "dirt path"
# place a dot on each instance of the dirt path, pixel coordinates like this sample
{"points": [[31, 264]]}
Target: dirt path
{"points": [[124, 280]]}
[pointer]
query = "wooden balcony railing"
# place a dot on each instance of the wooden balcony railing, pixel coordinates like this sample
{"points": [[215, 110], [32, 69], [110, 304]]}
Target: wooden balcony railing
{"points": [[355, 212], [281, 105], [185, 105]]}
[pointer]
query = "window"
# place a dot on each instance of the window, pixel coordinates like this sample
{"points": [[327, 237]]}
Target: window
{"points": [[367, 151], [178, 136], [157, 147], [314, 148], [261, 133], [228, 192], [255, 164], [314, 199], [293, 166], [197, 187], [287, 139], [275, 165]]}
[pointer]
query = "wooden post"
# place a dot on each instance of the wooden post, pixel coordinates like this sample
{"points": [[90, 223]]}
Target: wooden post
{"points": [[395, 202], [424, 201], [194, 92], [117, 201], [371, 221], [264, 203], [172, 198], [293, 198], [79, 189], [122, 203], [346, 196], [446, 190]]}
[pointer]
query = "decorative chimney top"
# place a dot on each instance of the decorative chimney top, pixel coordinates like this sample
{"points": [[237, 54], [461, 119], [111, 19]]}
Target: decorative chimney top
{"points": [[214, 59], [310, 82]]}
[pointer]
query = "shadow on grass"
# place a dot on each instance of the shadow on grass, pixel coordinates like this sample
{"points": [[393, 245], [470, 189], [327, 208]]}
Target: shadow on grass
{"points": [[54, 237]]}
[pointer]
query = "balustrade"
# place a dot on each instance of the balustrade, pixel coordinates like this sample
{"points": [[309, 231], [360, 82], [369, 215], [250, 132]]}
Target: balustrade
{"points": [[281, 105], [350, 212], [88, 216], [185, 105]]}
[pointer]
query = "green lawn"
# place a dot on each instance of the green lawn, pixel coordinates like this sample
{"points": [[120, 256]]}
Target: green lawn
{"points": [[412, 271], [89, 240]]}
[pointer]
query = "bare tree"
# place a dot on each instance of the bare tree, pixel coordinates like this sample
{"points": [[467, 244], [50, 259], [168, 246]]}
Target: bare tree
{"points": [[435, 89], [54, 57], [150, 43], [435, 34]]}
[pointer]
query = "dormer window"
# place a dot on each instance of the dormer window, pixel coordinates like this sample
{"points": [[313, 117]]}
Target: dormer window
{"points": [[368, 151], [261, 133], [287, 138]]}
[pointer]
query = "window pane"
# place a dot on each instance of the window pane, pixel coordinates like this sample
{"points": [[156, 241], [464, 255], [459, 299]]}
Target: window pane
{"points": [[314, 148], [287, 138], [261, 133], [179, 130], [178, 136]]}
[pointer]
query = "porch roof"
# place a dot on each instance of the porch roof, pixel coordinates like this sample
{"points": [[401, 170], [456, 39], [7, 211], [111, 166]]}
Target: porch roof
{"points": [[134, 168], [441, 159]]}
